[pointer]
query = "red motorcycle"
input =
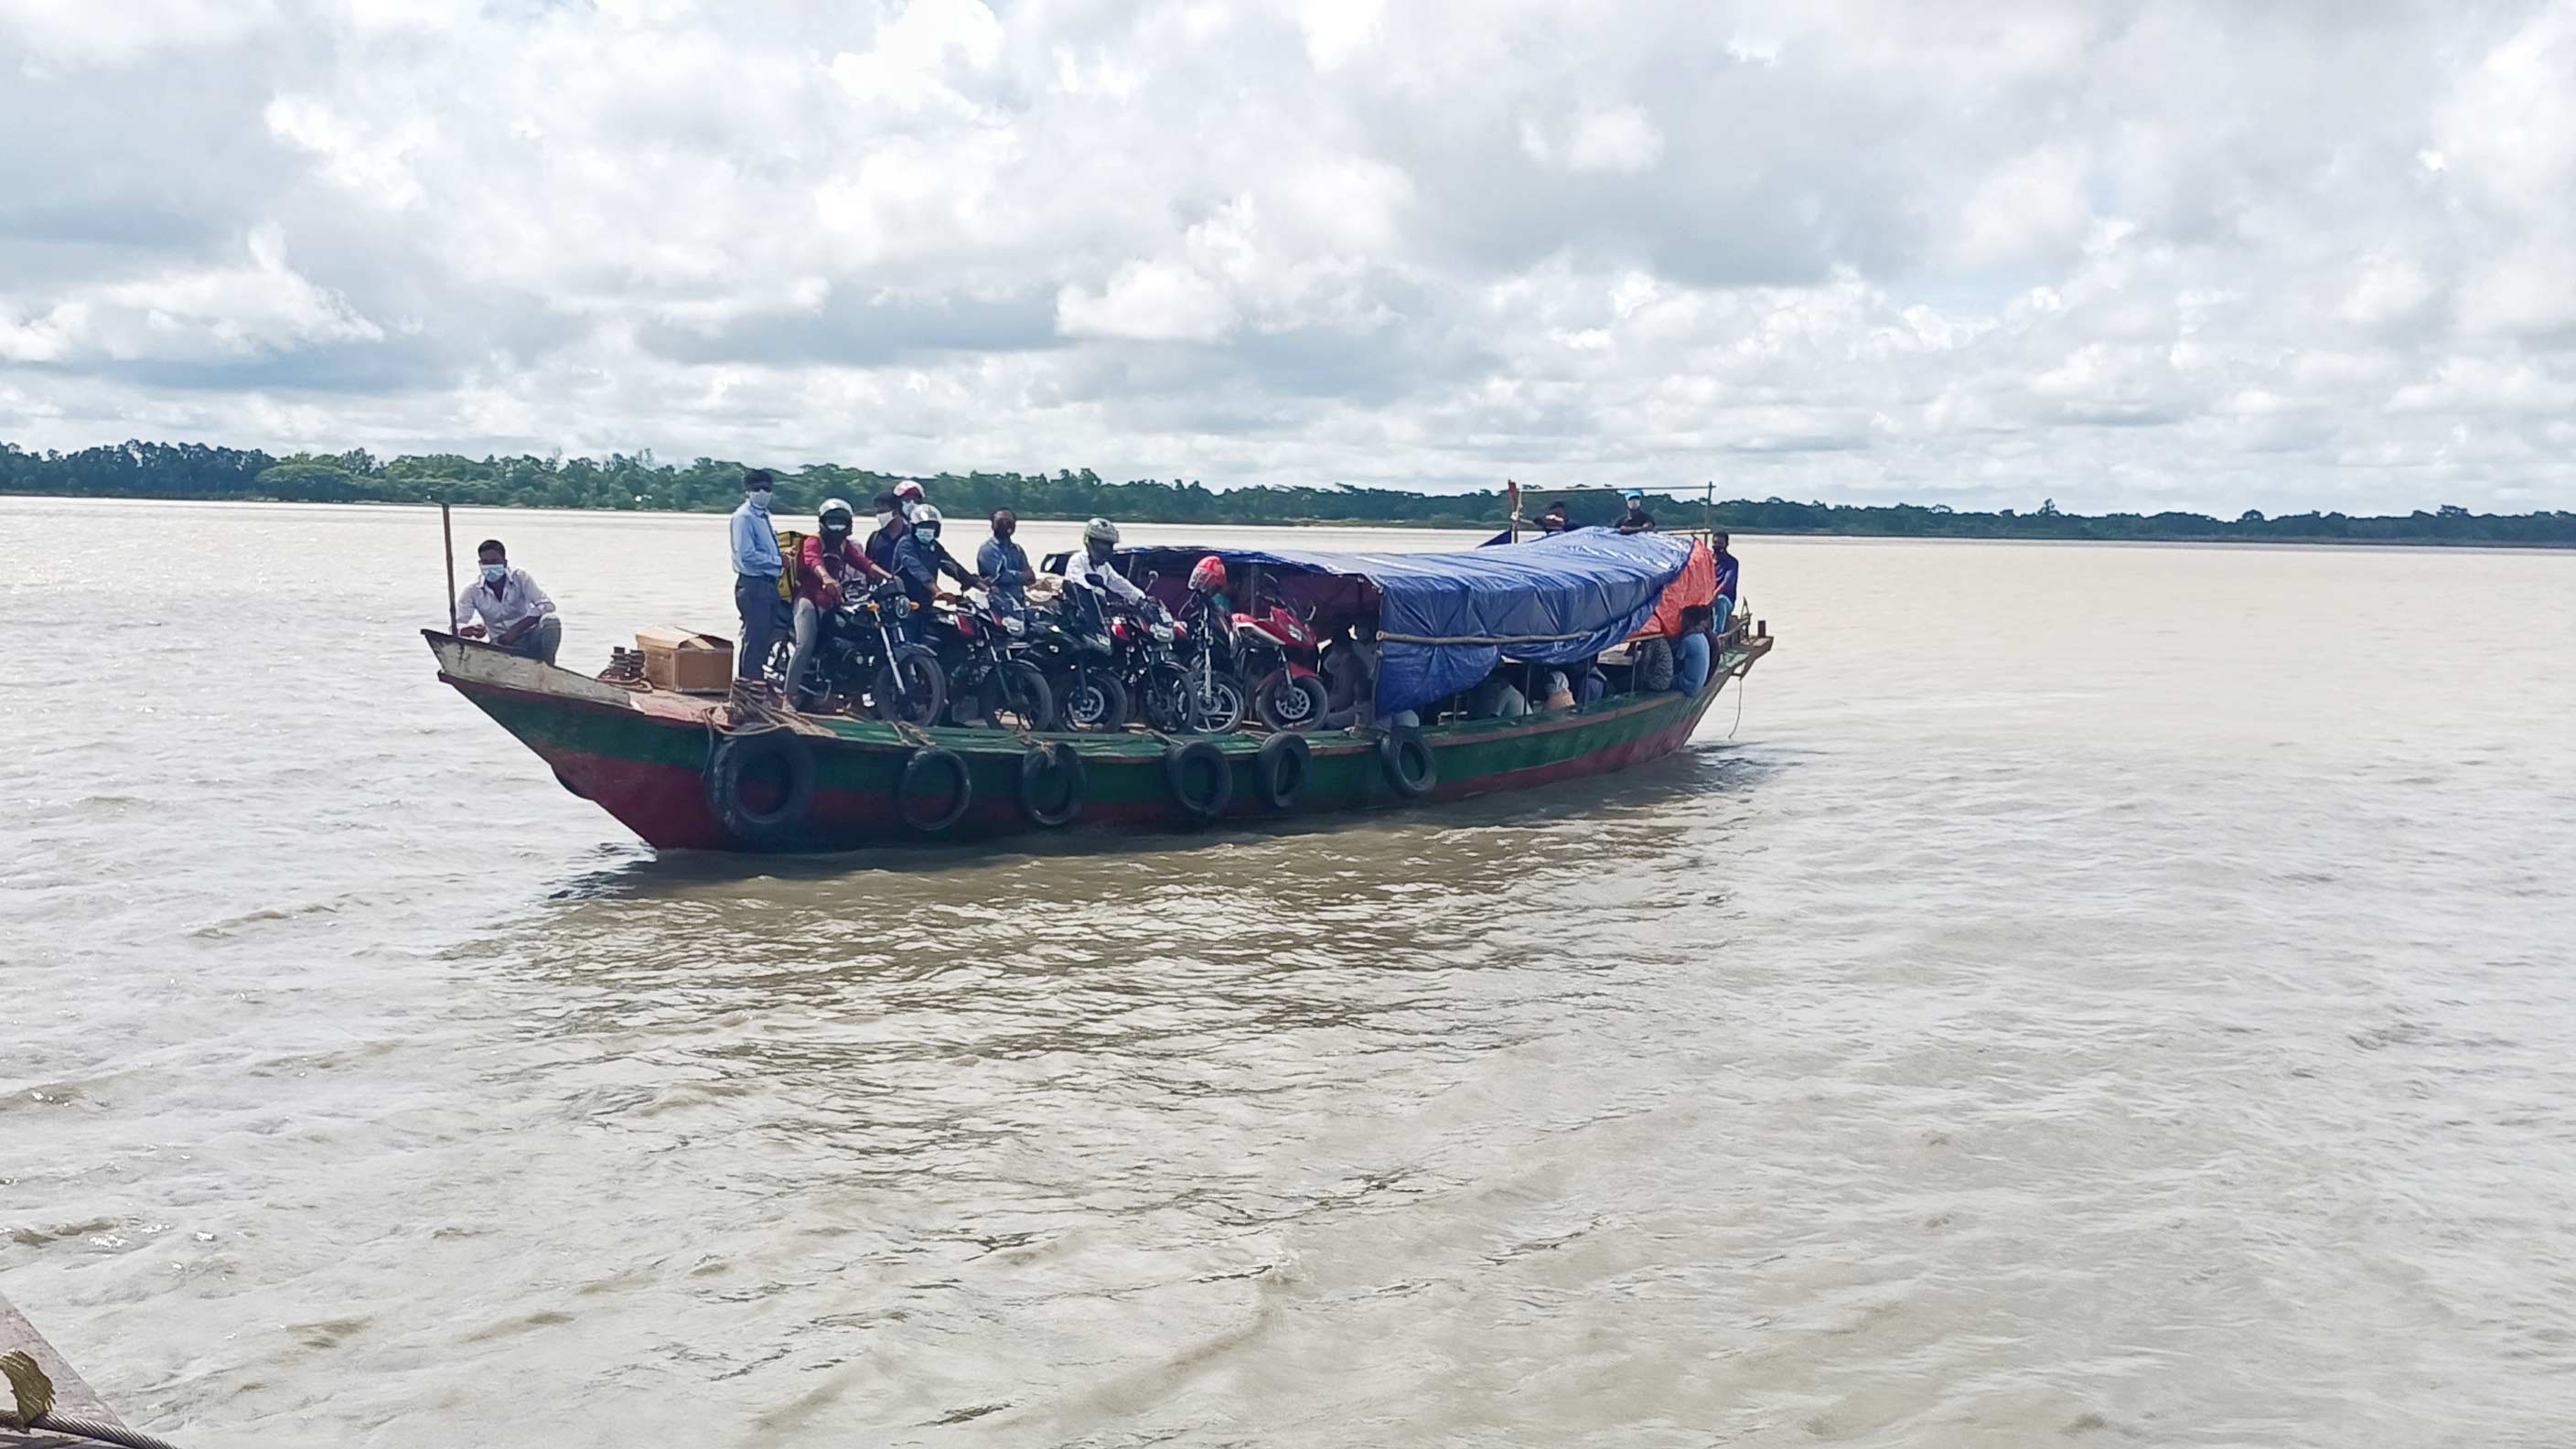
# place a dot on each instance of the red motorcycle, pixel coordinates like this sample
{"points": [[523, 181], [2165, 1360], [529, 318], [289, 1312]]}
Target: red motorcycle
{"points": [[1279, 652]]}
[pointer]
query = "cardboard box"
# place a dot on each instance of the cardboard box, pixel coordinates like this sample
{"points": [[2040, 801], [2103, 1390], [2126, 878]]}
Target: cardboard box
{"points": [[692, 663]]}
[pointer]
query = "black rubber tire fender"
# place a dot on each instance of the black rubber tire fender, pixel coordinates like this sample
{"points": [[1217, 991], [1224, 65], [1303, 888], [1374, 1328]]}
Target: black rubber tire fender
{"points": [[917, 771], [1410, 765], [734, 757], [1280, 768], [1045, 763], [1200, 777]]}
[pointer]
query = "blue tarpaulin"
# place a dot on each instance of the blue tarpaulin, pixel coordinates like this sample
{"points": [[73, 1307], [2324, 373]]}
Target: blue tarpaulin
{"points": [[1447, 619]]}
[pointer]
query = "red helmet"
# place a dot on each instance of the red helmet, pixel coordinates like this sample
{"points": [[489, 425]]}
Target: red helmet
{"points": [[1209, 575], [908, 491]]}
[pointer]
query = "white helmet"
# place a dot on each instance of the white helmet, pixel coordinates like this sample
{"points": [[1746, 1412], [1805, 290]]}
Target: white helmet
{"points": [[1100, 530], [927, 517]]}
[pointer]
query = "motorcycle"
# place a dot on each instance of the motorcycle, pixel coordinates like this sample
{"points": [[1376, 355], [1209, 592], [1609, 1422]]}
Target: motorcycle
{"points": [[1280, 652], [866, 656], [1194, 688], [991, 684], [1072, 646]]}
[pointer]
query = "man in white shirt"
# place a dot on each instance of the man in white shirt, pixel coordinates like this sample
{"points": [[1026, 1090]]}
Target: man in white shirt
{"points": [[514, 611], [1090, 564]]}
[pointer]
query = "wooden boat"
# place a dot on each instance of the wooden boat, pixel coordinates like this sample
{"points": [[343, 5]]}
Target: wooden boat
{"points": [[73, 1416], [683, 772]]}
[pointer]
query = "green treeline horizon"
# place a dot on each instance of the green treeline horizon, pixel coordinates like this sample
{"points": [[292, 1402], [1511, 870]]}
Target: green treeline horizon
{"points": [[201, 472]]}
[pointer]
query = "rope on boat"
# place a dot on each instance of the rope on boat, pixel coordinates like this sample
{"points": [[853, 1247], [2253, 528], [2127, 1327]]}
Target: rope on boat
{"points": [[31, 1395], [101, 1433]]}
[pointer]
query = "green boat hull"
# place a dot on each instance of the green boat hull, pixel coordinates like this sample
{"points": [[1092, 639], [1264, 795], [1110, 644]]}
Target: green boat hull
{"points": [[645, 757]]}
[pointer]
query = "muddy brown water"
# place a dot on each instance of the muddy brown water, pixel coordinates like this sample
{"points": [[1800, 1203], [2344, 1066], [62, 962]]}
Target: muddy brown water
{"points": [[2097, 995]]}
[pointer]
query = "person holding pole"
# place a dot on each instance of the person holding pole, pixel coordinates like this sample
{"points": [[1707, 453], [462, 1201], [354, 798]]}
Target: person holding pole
{"points": [[757, 564], [513, 610]]}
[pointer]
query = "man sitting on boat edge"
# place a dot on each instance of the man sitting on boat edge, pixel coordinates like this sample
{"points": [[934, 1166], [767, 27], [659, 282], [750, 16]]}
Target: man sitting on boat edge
{"points": [[516, 613]]}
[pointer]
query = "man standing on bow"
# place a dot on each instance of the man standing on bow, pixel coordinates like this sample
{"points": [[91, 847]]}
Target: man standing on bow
{"points": [[756, 567]]}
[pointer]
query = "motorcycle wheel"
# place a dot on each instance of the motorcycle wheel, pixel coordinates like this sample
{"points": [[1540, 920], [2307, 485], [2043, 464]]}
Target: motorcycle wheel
{"points": [[1165, 694], [1093, 701], [1290, 701], [1015, 696], [1216, 704], [918, 695]]}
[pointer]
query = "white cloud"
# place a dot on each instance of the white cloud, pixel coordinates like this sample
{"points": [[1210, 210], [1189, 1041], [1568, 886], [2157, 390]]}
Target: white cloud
{"points": [[214, 313], [1620, 141], [2134, 257], [86, 32], [1148, 302]]}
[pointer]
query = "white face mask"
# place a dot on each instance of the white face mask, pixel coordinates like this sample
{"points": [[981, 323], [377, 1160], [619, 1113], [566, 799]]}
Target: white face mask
{"points": [[758, 498], [884, 519]]}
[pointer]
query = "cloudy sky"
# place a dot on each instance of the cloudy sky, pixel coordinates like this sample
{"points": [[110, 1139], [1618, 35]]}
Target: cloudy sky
{"points": [[2310, 253]]}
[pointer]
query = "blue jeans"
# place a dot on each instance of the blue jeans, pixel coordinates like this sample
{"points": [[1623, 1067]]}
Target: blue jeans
{"points": [[1690, 663]]}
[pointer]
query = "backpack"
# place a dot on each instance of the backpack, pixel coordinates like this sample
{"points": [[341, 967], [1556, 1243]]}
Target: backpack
{"points": [[791, 561]]}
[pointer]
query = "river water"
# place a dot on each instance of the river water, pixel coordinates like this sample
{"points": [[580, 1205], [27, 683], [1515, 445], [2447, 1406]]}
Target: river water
{"points": [[2090, 995]]}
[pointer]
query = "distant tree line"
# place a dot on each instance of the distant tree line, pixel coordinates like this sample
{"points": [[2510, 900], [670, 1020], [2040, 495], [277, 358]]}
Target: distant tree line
{"points": [[640, 481]]}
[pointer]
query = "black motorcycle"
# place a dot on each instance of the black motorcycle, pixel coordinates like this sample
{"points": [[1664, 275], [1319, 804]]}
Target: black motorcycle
{"points": [[867, 658], [991, 685], [1071, 645], [1182, 676]]}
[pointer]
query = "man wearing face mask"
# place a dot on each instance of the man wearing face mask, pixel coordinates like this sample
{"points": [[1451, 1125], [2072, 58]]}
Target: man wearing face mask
{"points": [[832, 562], [756, 567], [889, 531], [513, 610], [916, 557], [1005, 562]]}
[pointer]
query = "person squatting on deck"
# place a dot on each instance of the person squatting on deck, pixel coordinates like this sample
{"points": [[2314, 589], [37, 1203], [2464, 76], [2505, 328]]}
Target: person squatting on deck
{"points": [[757, 564], [514, 611]]}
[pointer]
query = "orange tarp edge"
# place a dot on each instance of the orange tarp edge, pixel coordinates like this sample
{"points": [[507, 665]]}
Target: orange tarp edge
{"points": [[1696, 588]]}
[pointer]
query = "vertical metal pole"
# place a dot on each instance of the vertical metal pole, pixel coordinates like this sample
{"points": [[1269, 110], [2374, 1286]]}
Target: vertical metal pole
{"points": [[1708, 508], [448, 530], [1512, 499]]}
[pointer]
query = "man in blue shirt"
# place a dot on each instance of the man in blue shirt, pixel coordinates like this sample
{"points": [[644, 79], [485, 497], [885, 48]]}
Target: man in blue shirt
{"points": [[917, 554], [756, 567], [1729, 572], [1005, 562]]}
